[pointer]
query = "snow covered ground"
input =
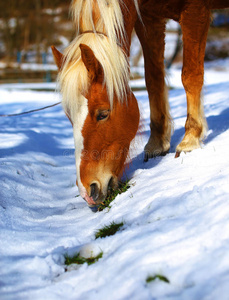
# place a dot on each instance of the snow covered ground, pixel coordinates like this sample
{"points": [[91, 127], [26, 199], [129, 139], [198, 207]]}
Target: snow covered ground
{"points": [[175, 213]]}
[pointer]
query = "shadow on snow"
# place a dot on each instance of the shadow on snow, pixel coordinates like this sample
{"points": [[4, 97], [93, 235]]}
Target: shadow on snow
{"points": [[41, 132]]}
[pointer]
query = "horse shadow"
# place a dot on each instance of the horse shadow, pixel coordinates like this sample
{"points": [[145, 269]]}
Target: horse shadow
{"points": [[217, 125], [138, 163]]}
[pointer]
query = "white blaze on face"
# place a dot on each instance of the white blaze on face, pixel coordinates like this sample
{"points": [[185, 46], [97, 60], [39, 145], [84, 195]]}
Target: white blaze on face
{"points": [[78, 123]]}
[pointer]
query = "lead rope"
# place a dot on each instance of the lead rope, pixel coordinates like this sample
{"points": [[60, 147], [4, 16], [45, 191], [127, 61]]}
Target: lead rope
{"points": [[29, 111]]}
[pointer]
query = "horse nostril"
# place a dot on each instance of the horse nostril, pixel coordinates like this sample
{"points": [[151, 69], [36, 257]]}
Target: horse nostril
{"points": [[113, 184], [94, 191], [110, 184]]}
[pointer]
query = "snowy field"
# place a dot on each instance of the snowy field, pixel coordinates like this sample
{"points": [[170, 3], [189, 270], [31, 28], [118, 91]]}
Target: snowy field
{"points": [[175, 214]]}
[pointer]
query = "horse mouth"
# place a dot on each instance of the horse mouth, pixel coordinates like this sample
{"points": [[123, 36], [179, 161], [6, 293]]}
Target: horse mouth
{"points": [[89, 201], [94, 205], [97, 196]]}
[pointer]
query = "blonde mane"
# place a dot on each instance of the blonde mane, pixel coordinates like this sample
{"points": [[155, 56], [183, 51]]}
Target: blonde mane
{"points": [[105, 19]]}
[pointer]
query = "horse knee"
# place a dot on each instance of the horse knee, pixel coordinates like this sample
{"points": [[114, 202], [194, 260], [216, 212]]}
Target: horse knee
{"points": [[192, 81]]}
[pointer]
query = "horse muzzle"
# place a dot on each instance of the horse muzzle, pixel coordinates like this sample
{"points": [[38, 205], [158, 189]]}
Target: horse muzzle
{"points": [[98, 193]]}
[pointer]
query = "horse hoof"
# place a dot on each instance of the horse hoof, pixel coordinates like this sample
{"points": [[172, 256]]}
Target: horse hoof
{"points": [[177, 154]]}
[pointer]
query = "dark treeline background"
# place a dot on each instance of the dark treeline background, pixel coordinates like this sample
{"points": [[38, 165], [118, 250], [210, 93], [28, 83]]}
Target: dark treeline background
{"points": [[32, 25], [29, 27]]}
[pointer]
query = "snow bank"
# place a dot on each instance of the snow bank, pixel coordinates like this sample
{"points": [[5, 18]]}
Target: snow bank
{"points": [[175, 213]]}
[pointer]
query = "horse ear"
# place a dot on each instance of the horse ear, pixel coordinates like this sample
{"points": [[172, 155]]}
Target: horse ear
{"points": [[58, 57], [90, 61]]}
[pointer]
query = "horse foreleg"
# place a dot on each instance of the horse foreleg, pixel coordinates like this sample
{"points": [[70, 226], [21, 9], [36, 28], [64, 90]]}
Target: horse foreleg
{"points": [[151, 36], [195, 27]]}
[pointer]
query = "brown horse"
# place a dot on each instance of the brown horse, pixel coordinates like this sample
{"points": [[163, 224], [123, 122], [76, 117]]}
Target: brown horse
{"points": [[94, 73]]}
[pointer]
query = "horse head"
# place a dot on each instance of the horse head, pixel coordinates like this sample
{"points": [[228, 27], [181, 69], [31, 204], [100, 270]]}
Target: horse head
{"points": [[103, 130]]}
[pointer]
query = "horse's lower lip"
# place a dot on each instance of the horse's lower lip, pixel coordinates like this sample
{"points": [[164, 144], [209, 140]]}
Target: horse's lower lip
{"points": [[89, 200], [94, 208]]}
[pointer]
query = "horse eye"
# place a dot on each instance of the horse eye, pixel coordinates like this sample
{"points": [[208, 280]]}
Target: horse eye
{"points": [[102, 115]]}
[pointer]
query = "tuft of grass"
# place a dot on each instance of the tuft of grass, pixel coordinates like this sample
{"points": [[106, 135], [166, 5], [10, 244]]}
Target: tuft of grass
{"points": [[113, 193], [157, 276], [108, 230], [77, 259]]}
